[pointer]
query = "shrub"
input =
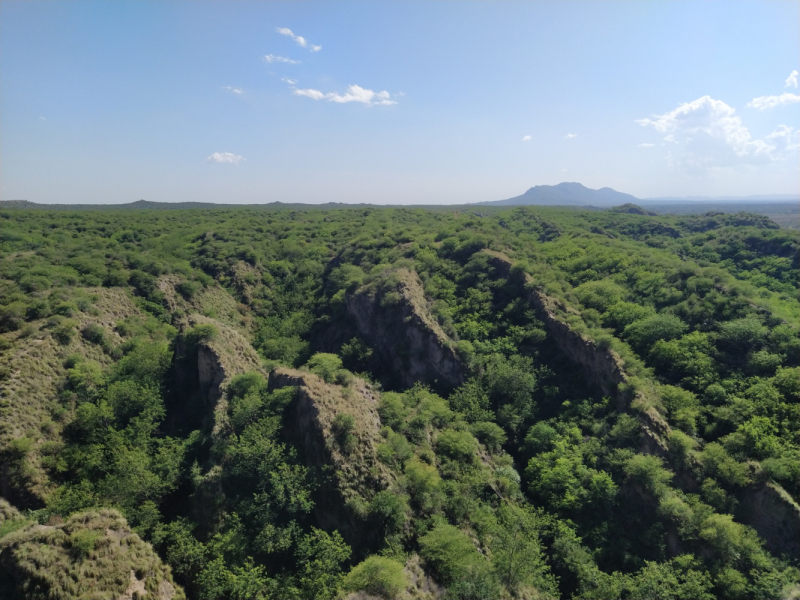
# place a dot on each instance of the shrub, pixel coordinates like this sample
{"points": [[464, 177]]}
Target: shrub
{"points": [[325, 365], [94, 333], [642, 335], [188, 289], [342, 428], [449, 552], [648, 471], [64, 331], [457, 445], [423, 482], [599, 294], [201, 333], [388, 511], [490, 435], [379, 576], [396, 450], [622, 314], [392, 410], [84, 541]]}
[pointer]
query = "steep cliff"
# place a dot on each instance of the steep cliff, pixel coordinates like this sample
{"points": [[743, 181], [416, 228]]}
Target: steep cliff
{"points": [[202, 373], [92, 555], [310, 424], [768, 509], [396, 322]]}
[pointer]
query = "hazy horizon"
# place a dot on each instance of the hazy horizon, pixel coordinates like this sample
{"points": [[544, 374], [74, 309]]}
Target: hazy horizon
{"points": [[395, 103]]}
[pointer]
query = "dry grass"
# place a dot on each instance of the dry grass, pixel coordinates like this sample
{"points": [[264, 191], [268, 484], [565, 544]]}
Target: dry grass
{"points": [[29, 402], [93, 555], [213, 302]]}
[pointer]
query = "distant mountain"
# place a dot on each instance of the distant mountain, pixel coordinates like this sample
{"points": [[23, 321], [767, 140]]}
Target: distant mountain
{"points": [[574, 194]]}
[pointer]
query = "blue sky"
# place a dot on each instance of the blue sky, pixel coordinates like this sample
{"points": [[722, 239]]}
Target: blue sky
{"points": [[395, 102]]}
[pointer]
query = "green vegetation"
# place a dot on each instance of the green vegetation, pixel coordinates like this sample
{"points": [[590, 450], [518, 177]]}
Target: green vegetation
{"points": [[605, 404]]}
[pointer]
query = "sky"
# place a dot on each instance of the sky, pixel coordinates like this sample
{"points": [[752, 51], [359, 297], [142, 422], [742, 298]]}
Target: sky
{"points": [[395, 102]]}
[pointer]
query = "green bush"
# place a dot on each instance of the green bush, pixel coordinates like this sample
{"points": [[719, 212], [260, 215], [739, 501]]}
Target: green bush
{"points": [[489, 434], [188, 289], [325, 365], [378, 576], [342, 428], [449, 552], [64, 332], [94, 333], [456, 445], [199, 334]]}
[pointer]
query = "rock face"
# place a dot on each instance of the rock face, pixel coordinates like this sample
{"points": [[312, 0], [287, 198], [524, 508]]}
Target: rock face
{"points": [[92, 555], [356, 472], [403, 333], [219, 360], [601, 366], [769, 510]]}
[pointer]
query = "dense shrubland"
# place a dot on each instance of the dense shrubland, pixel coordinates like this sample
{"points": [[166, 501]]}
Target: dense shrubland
{"points": [[526, 481]]}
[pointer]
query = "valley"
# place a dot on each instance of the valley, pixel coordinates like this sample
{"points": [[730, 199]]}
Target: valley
{"points": [[455, 402]]}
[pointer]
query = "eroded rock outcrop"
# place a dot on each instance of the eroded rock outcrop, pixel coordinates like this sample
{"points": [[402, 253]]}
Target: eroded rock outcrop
{"points": [[219, 359], [768, 508], [403, 333], [356, 472], [93, 554], [601, 365]]}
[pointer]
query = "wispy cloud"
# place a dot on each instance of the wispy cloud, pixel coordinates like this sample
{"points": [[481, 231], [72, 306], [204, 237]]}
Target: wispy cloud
{"points": [[706, 133], [569, 136], [289, 81], [526, 138], [646, 145], [313, 94], [271, 58], [42, 119], [791, 80], [354, 93], [764, 102], [226, 157], [234, 90], [301, 41], [785, 138]]}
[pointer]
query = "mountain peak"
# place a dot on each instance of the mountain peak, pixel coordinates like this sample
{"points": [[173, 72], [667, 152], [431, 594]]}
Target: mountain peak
{"points": [[568, 193]]}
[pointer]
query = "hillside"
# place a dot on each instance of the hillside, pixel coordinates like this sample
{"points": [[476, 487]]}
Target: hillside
{"points": [[521, 402]]}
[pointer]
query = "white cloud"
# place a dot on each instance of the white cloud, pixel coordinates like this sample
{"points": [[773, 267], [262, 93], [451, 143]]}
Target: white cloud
{"points": [[526, 138], [646, 145], [708, 134], [42, 119], [299, 39], [313, 94], [270, 58], [226, 157], [234, 90], [783, 136], [289, 81], [763, 102], [791, 80], [569, 136], [354, 93]]}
